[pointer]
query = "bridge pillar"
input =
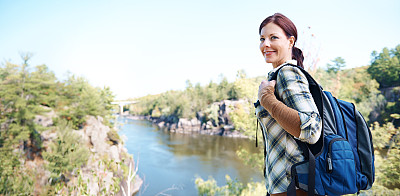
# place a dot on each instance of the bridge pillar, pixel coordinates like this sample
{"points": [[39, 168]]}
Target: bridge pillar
{"points": [[121, 105], [121, 108]]}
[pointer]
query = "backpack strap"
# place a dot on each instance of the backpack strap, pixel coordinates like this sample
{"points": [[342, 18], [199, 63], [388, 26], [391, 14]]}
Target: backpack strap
{"points": [[310, 79], [291, 191], [263, 134]]}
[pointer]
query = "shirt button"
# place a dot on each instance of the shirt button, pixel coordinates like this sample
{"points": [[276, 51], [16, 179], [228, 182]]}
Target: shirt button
{"points": [[313, 115]]}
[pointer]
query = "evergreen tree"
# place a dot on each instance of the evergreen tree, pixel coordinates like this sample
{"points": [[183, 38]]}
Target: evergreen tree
{"points": [[66, 153], [81, 99], [20, 95], [337, 64], [385, 67]]}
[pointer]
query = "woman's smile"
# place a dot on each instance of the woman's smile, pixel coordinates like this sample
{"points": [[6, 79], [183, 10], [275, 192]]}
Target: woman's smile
{"points": [[267, 53]]}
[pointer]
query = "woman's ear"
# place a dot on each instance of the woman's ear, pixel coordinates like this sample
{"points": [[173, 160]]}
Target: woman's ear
{"points": [[292, 40]]}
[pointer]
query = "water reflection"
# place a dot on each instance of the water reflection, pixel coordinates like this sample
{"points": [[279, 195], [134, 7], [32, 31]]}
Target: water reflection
{"points": [[213, 151], [168, 159]]}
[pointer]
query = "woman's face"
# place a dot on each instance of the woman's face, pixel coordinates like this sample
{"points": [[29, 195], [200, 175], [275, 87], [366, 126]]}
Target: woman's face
{"points": [[274, 45]]}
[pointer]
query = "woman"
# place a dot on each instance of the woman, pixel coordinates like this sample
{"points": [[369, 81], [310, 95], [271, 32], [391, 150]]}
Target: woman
{"points": [[297, 116]]}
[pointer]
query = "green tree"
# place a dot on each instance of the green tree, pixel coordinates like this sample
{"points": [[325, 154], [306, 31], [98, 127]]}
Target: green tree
{"points": [[81, 99], [243, 119], [15, 178], [211, 113], [223, 88], [21, 96], [66, 153], [19, 101], [245, 88], [385, 67], [48, 86], [337, 64], [156, 112]]}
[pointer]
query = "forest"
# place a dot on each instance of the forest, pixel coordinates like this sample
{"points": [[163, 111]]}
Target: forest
{"points": [[374, 89]]}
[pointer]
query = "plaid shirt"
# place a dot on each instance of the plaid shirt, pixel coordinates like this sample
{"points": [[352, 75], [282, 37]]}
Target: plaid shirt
{"points": [[282, 150]]}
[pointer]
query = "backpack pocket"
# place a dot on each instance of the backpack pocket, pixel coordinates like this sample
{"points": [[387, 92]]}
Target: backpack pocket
{"points": [[337, 167]]}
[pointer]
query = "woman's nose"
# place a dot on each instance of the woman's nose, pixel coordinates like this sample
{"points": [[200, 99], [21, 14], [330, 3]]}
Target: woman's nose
{"points": [[266, 43]]}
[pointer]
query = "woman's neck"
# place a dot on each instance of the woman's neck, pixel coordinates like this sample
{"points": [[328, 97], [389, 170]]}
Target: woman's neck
{"points": [[293, 62]]}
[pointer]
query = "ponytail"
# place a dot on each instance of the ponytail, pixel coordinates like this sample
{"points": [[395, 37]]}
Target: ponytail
{"points": [[298, 55]]}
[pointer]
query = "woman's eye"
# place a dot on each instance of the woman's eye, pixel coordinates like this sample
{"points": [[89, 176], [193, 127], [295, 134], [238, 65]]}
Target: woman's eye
{"points": [[262, 39], [274, 37]]}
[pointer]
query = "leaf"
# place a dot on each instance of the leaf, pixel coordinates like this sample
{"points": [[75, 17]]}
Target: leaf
{"points": [[395, 116]]}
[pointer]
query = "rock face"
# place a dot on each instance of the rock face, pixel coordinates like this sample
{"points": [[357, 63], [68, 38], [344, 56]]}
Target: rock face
{"points": [[96, 173], [46, 119], [391, 94], [201, 124], [96, 136]]}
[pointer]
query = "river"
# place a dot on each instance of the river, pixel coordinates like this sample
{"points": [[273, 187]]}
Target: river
{"points": [[170, 162]]}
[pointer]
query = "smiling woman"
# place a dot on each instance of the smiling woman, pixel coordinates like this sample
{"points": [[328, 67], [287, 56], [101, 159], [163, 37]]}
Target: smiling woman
{"points": [[296, 116]]}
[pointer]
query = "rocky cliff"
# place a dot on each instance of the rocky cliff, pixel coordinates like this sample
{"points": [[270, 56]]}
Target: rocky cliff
{"points": [[391, 94], [108, 162]]}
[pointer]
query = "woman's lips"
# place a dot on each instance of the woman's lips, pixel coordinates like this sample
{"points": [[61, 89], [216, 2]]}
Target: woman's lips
{"points": [[268, 53]]}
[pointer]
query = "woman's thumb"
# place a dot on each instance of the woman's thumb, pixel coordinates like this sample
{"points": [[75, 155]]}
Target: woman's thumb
{"points": [[273, 83]]}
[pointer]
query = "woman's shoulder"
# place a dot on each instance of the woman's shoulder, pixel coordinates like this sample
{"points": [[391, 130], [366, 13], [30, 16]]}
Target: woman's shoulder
{"points": [[289, 72]]}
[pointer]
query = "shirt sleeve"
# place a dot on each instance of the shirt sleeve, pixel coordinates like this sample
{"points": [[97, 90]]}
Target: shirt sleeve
{"points": [[294, 91]]}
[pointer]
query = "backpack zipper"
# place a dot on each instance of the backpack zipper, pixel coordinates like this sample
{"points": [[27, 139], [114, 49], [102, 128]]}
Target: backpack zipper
{"points": [[329, 154]]}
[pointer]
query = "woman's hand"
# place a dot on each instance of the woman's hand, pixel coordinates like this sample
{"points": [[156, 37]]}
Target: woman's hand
{"points": [[266, 91]]}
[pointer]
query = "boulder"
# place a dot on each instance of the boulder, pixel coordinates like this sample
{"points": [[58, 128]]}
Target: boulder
{"points": [[114, 153], [195, 122], [46, 119], [97, 134]]}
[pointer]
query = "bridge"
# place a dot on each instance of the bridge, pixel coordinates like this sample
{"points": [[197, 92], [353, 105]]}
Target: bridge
{"points": [[122, 104]]}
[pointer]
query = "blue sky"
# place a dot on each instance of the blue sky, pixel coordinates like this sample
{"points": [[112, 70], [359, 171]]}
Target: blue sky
{"points": [[148, 47]]}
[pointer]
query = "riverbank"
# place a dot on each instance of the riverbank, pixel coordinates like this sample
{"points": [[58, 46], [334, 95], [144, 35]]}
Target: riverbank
{"points": [[220, 125]]}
